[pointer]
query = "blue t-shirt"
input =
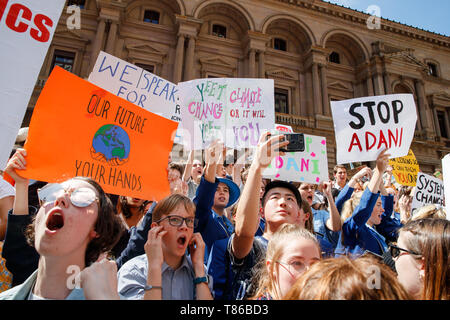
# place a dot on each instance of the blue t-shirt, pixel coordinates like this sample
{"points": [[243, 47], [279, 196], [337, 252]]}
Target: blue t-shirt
{"points": [[328, 239]]}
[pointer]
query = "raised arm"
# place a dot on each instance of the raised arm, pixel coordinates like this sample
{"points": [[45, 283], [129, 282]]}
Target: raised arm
{"points": [[188, 167], [334, 222], [247, 219], [18, 162]]}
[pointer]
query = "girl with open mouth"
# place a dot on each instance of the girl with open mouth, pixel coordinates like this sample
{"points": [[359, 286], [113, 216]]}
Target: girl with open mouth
{"points": [[74, 225]]}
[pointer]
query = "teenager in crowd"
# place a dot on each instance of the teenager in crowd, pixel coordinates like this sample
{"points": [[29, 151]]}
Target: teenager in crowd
{"points": [[165, 271], [192, 174], [75, 224], [214, 195], [422, 258], [281, 204], [327, 224], [358, 232], [290, 252]]}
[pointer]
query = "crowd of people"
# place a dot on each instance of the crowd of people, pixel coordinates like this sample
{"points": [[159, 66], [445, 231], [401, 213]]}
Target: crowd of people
{"points": [[225, 233]]}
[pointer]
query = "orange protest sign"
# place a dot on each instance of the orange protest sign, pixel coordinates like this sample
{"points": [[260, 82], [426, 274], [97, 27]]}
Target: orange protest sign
{"points": [[79, 129]]}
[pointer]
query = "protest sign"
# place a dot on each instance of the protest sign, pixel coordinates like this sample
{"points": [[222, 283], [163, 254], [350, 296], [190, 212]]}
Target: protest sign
{"points": [[26, 31], [310, 166], [137, 86], [446, 177], [79, 129], [236, 111], [405, 169], [428, 190], [365, 126]]}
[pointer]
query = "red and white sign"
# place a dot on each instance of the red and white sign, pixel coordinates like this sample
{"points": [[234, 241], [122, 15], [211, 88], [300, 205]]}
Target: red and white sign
{"points": [[26, 30]]}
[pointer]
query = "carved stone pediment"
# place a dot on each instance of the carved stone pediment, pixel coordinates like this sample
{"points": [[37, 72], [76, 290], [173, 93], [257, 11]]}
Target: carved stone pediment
{"points": [[441, 99], [217, 61], [282, 74], [144, 47], [338, 85], [71, 34], [407, 56]]}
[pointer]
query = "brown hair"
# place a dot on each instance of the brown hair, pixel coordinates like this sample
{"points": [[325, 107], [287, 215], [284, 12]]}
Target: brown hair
{"points": [[170, 203], [309, 224], [338, 166], [346, 279], [431, 239], [285, 233], [178, 167], [108, 226]]}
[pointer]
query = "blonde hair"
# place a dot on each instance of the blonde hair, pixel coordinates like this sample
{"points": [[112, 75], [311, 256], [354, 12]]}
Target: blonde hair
{"points": [[346, 279], [350, 205], [429, 211], [265, 279]]}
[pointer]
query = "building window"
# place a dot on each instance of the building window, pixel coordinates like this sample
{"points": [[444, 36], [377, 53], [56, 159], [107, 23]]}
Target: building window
{"points": [[281, 100], [151, 16], [79, 3], [432, 69], [147, 67], [63, 59], [335, 58], [219, 31], [279, 44], [442, 123]]}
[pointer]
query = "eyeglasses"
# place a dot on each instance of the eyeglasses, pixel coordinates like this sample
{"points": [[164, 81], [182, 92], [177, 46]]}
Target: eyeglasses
{"points": [[79, 197], [293, 267], [395, 251], [177, 221]]}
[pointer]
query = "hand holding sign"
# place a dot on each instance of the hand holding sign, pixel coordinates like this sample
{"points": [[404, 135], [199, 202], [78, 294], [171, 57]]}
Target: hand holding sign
{"points": [[17, 162]]}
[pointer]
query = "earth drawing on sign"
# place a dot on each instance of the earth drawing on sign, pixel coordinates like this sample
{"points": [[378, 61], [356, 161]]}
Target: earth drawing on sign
{"points": [[111, 144]]}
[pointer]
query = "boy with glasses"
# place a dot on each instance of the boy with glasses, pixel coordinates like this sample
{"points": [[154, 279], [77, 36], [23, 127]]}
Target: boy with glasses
{"points": [[166, 271]]}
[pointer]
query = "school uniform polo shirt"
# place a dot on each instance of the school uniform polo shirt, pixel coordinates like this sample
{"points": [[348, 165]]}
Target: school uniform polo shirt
{"points": [[176, 284]]}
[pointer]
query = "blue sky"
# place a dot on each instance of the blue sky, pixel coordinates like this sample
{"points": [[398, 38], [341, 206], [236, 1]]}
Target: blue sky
{"points": [[431, 15]]}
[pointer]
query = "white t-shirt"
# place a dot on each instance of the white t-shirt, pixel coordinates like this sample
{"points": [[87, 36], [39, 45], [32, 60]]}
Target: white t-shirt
{"points": [[6, 189]]}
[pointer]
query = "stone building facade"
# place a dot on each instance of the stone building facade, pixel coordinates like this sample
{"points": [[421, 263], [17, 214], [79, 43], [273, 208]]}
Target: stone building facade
{"points": [[315, 51]]}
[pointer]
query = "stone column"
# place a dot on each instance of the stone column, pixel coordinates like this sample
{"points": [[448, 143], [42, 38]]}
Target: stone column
{"points": [[303, 93], [325, 98], [261, 64], [316, 89], [387, 83], [189, 66], [422, 105], [369, 85], [379, 86], [111, 43], [251, 63], [97, 45], [178, 65]]}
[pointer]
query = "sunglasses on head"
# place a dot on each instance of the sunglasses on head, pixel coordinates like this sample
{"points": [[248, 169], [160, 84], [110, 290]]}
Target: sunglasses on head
{"points": [[80, 197]]}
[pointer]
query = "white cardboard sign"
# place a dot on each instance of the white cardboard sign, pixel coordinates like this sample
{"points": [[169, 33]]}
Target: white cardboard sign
{"points": [[237, 111], [310, 166], [365, 126], [26, 31], [137, 86], [428, 190]]}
